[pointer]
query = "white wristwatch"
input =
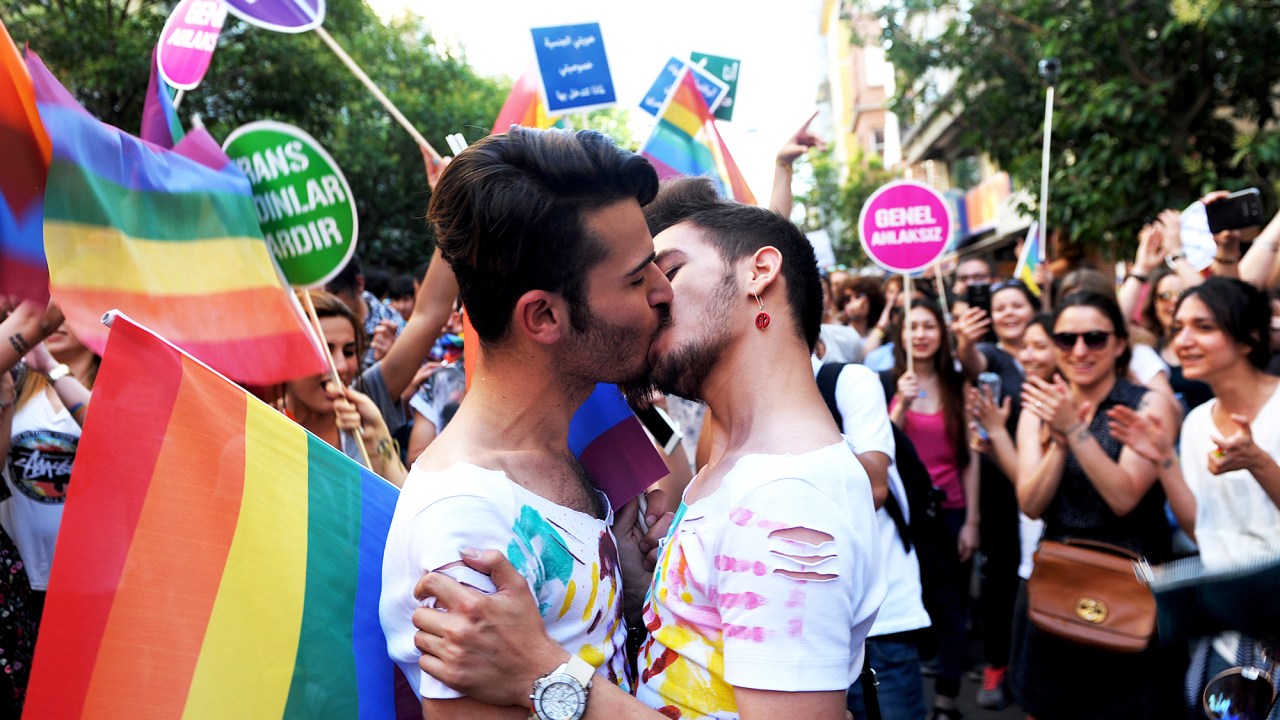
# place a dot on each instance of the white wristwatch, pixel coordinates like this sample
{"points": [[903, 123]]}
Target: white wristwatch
{"points": [[58, 372], [562, 693]]}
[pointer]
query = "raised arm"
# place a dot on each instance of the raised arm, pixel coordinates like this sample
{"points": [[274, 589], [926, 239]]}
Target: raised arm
{"points": [[431, 308], [1145, 261], [1258, 266], [795, 146]]}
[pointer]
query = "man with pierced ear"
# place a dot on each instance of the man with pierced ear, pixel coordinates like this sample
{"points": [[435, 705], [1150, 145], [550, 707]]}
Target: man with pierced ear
{"points": [[767, 584]]}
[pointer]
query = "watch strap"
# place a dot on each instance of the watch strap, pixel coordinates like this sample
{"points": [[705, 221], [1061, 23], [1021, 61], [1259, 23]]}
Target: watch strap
{"points": [[579, 670]]}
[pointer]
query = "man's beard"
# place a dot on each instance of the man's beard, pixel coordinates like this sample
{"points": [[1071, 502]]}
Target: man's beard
{"points": [[684, 369]]}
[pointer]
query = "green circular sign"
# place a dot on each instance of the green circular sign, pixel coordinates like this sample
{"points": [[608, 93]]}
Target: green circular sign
{"points": [[304, 204]]}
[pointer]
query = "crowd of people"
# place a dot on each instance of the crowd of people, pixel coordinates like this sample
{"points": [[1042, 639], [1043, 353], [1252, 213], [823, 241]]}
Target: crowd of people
{"points": [[789, 566]]}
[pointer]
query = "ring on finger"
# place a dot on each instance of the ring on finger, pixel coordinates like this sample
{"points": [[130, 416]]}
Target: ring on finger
{"points": [[1039, 403]]}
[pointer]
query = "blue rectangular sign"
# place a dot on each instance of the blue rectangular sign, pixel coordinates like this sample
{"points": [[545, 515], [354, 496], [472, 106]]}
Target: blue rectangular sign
{"points": [[574, 68], [711, 88]]}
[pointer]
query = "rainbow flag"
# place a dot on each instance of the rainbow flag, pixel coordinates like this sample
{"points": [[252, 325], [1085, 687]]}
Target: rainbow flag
{"points": [[170, 237], [160, 124], [23, 271], [524, 105], [1029, 259], [216, 560], [686, 142]]}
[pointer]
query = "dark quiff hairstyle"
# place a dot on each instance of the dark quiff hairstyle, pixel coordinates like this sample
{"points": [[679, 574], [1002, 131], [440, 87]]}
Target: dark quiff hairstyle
{"points": [[1241, 311], [736, 231], [950, 380], [677, 199], [510, 217], [1106, 304]]}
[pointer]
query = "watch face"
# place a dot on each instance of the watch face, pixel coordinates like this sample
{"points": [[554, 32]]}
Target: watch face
{"points": [[561, 700]]}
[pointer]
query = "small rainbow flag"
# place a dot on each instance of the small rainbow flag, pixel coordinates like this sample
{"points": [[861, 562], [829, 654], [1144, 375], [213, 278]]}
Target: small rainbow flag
{"points": [[23, 271], [1029, 259], [605, 436], [170, 237], [524, 105], [686, 142], [215, 560], [160, 124]]}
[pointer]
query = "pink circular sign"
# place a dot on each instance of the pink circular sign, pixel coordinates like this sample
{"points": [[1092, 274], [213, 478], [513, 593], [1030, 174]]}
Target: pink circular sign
{"points": [[905, 226], [188, 41]]}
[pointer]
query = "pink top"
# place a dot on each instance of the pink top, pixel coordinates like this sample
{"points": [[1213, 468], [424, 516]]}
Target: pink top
{"points": [[928, 432]]}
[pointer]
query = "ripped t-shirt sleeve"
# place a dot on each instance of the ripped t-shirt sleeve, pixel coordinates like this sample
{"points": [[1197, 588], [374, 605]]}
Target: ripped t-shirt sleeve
{"points": [[785, 578]]}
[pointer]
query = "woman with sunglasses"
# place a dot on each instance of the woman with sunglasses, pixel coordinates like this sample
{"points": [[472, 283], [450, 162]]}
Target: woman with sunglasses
{"points": [[1225, 491], [1013, 305], [929, 408], [1086, 485]]}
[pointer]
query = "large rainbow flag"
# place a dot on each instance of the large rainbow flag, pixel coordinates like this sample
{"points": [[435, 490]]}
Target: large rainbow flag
{"points": [[170, 237], [23, 271], [686, 142], [524, 105], [215, 559]]}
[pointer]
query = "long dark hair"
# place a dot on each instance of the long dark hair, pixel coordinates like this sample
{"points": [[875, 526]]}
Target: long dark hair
{"points": [[950, 381]]}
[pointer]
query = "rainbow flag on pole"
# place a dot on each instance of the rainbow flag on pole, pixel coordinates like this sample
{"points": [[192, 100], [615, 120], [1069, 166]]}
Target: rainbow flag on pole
{"points": [[1029, 259], [215, 560], [686, 142], [23, 271], [160, 123], [524, 105], [170, 237]]}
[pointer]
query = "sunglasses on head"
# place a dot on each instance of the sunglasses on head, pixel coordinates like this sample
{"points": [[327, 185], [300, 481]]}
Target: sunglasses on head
{"points": [[1094, 339]]}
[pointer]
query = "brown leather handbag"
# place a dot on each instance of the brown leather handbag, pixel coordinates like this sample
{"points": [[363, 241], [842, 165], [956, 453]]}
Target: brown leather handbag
{"points": [[1089, 593]]}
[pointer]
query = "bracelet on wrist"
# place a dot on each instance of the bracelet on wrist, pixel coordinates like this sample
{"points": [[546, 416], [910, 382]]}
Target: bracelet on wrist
{"points": [[1225, 261], [1138, 276]]}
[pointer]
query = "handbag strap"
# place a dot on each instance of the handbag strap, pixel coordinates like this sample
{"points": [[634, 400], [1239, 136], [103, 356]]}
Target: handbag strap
{"points": [[1103, 547]]}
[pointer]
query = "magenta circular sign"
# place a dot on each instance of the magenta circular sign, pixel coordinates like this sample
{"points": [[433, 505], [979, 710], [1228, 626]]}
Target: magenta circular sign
{"points": [[905, 226], [188, 41]]}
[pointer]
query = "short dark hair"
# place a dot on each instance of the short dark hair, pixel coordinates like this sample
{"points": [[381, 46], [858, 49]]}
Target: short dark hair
{"points": [[677, 199], [376, 280], [345, 281], [1106, 304], [1241, 310], [736, 231], [509, 216], [400, 287]]}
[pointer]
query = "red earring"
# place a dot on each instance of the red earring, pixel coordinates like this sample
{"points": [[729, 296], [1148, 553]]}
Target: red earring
{"points": [[762, 318]]}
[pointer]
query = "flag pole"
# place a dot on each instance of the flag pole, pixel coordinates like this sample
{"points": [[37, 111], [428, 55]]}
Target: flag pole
{"points": [[333, 370], [906, 313], [1049, 69], [377, 93]]}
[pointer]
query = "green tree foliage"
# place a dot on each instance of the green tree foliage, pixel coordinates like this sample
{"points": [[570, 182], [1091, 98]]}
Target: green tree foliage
{"points": [[833, 202], [101, 51], [1158, 102]]}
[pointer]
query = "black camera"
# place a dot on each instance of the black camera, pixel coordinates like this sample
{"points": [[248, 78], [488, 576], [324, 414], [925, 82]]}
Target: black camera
{"points": [[1050, 68]]}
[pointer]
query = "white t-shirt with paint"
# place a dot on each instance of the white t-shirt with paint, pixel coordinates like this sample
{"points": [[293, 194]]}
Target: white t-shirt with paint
{"points": [[569, 559], [736, 603], [38, 472]]}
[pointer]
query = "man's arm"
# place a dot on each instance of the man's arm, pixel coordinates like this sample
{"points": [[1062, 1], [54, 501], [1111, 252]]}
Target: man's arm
{"points": [[431, 308]]}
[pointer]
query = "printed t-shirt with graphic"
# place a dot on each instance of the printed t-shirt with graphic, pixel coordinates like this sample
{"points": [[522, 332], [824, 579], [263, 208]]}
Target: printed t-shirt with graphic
{"points": [[569, 559], [38, 471], [735, 602]]}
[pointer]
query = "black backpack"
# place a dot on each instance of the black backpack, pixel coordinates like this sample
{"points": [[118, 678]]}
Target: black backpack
{"points": [[926, 531]]}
